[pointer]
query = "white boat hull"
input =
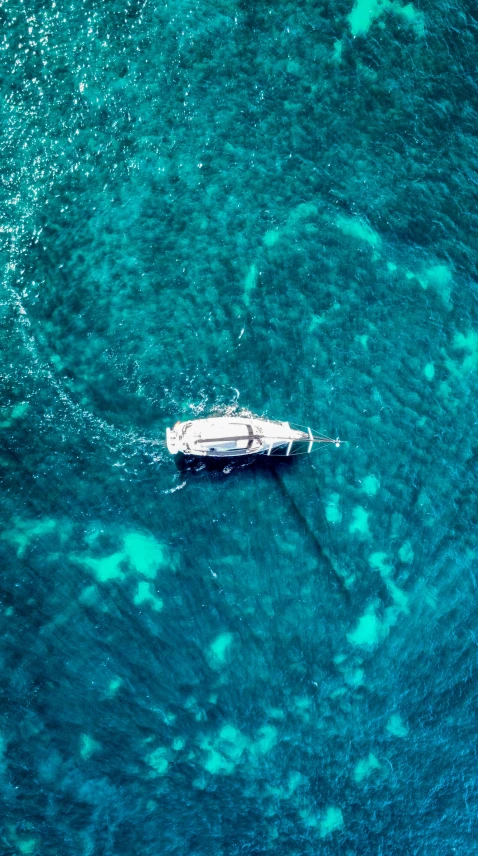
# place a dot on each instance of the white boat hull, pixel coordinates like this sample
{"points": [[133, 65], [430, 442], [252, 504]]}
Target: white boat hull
{"points": [[232, 437]]}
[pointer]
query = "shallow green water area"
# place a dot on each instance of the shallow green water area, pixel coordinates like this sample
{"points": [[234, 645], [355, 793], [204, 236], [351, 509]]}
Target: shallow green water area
{"points": [[209, 207]]}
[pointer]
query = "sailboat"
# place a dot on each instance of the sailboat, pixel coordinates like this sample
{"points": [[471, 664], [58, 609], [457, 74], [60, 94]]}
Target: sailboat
{"points": [[241, 436]]}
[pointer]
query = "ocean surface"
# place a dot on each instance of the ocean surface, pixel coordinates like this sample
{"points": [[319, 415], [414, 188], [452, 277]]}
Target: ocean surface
{"points": [[208, 207]]}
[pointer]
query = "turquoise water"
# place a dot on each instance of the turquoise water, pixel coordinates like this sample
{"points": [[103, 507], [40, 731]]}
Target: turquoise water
{"points": [[235, 205]]}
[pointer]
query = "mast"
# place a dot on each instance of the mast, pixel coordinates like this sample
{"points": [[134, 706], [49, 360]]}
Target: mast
{"points": [[271, 440]]}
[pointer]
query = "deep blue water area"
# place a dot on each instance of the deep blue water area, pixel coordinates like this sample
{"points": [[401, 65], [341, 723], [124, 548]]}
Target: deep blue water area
{"points": [[207, 207]]}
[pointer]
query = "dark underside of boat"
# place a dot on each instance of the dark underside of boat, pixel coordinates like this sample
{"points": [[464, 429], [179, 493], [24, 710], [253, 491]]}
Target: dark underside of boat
{"points": [[228, 462]]}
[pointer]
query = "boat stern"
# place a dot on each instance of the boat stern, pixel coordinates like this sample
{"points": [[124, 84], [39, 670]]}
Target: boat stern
{"points": [[173, 439]]}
